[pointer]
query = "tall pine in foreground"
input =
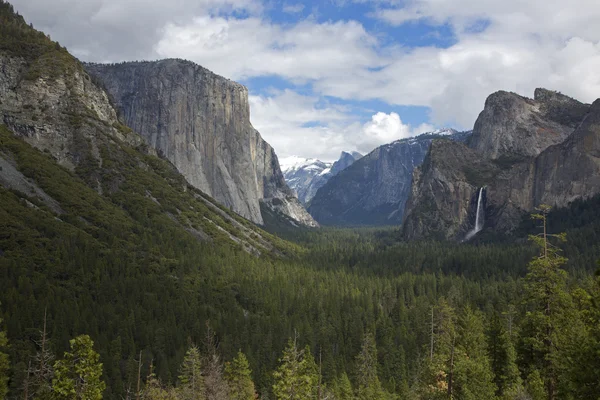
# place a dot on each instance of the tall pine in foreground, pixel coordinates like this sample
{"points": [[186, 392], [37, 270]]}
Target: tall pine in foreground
{"points": [[550, 320], [297, 377], [472, 373], [369, 386], [239, 377], [191, 381], [78, 374]]}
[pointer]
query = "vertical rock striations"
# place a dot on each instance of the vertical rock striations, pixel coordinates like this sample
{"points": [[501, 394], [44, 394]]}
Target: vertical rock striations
{"points": [[526, 152], [201, 123], [374, 190]]}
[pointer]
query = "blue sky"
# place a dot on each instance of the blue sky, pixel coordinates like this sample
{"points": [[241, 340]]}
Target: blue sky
{"points": [[327, 76]]}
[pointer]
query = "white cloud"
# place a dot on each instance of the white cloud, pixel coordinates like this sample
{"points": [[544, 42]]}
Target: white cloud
{"points": [[246, 47], [510, 45], [117, 30], [295, 126], [385, 128]]}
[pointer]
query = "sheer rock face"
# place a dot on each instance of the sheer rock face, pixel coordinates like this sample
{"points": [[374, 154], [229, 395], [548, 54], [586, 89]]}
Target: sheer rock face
{"points": [[373, 190], [524, 152], [444, 191], [201, 123]]}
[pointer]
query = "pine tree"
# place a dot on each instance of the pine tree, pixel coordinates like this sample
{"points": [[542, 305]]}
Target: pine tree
{"points": [[504, 356], [369, 386], [78, 375], [343, 388], [297, 376], [472, 373], [239, 377], [549, 304], [191, 381], [4, 364], [155, 391], [436, 376]]}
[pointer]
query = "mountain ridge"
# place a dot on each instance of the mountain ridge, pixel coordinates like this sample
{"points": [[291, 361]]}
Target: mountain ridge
{"points": [[373, 190]]}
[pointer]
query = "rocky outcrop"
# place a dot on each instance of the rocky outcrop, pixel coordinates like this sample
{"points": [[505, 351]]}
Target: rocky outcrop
{"points": [[201, 123], [513, 127], [60, 115], [374, 190], [346, 159], [524, 152]]}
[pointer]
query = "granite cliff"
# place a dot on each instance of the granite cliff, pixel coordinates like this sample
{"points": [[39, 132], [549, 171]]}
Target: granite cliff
{"points": [[201, 123], [374, 189], [523, 152]]}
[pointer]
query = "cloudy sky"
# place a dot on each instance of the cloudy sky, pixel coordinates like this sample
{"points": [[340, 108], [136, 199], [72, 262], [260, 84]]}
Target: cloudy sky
{"points": [[332, 75]]}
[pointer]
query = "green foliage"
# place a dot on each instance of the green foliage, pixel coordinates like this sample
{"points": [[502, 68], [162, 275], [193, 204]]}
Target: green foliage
{"points": [[191, 381], [78, 374], [156, 391], [239, 377], [44, 57], [369, 386], [342, 388], [551, 313], [473, 377], [4, 363], [297, 376], [535, 386]]}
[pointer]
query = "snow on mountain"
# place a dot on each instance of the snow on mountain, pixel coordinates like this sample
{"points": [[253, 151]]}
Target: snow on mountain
{"points": [[306, 175]]}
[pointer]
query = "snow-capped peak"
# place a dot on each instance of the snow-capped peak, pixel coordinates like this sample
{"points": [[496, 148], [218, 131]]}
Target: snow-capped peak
{"points": [[295, 162]]}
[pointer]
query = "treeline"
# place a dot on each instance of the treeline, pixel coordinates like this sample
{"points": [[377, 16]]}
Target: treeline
{"points": [[540, 342]]}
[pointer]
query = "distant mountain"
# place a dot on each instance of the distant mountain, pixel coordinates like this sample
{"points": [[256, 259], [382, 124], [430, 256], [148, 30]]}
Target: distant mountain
{"points": [[523, 152], [306, 175], [374, 189]]}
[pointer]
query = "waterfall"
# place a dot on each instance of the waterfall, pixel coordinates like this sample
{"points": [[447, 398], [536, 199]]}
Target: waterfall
{"points": [[479, 216]]}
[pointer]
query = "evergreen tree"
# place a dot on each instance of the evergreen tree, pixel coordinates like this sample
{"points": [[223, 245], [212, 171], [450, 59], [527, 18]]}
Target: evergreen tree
{"points": [[239, 377], [503, 356], [296, 378], [472, 373], [4, 363], [549, 305], [191, 381], [155, 391], [437, 374], [342, 388], [78, 375], [369, 386]]}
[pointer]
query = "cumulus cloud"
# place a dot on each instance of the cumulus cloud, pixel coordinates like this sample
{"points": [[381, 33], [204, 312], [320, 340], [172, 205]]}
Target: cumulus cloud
{"points": [[386, 128], [298, 125], [249, 47], [117, 30], [510, 45]]}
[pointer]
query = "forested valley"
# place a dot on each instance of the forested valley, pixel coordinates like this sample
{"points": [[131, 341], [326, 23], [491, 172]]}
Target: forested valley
{"points": [[346, 313], [120, 280]]}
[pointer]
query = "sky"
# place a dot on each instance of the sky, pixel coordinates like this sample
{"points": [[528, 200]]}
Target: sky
{"points": [[333, 75]]}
